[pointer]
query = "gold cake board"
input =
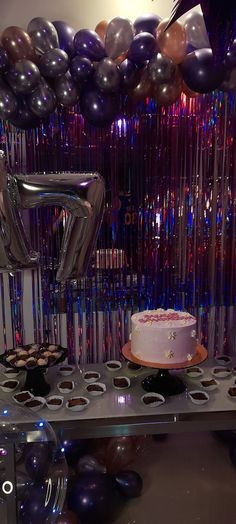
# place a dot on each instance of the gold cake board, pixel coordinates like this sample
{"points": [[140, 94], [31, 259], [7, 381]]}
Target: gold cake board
{"points": [[199, 357]]}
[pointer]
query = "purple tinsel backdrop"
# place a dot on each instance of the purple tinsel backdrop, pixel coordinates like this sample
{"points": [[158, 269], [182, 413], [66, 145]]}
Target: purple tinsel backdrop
{"points": [[170, 211]]}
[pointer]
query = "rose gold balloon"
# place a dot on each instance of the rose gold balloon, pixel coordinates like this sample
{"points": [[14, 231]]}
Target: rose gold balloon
{"points": [[17, 44], [172, 42], [101, 28], [144, 88], [188, 92], [167, 94]]}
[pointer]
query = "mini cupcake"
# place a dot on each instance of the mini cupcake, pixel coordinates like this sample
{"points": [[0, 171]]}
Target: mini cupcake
{"points": [[42, 361], [20, 363], [32, 352], [22, 353], [11, 359], [18, 349], [52, 347], [46, 354]]}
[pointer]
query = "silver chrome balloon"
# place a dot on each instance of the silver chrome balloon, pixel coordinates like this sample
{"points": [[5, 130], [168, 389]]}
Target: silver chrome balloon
{"points": [[15, 252], [43, 35], [119, 35], [82, 194]]}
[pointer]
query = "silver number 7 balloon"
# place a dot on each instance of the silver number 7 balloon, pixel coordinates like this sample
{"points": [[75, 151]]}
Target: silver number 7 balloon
{"points": [[82, 194]]}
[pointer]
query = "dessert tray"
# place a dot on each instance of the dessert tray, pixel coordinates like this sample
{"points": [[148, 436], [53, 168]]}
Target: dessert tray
{"points": [[163, 382], [34, 359]]}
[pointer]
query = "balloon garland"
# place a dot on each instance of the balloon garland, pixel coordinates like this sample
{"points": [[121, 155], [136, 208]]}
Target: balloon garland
{"points": [[219, 17], [52, 66]]}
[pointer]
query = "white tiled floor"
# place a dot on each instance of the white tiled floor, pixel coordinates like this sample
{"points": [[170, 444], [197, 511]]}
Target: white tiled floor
{"points": [[188, 479]]}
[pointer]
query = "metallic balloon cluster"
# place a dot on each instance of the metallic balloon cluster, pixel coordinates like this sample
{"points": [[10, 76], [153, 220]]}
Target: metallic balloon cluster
{"points": [[82, 195], [52, 66]]}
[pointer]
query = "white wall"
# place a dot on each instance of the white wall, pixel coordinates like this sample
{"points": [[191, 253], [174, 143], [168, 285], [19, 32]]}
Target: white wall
{"points": [[78, 13]]}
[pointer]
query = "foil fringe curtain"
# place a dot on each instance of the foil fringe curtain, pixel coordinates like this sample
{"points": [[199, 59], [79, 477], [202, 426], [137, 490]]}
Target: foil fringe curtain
{"points": [[170, 210]]}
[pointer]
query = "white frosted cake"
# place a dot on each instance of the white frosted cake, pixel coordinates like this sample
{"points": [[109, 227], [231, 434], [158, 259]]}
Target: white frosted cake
{"points": [[163, 336]]}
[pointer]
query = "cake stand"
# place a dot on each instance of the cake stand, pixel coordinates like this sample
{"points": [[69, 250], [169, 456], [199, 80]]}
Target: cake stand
{"points": [[35, 378], [163, 382]]}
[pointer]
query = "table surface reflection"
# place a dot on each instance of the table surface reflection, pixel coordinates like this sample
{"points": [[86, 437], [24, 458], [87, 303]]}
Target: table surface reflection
{"points": [[123, 413]]}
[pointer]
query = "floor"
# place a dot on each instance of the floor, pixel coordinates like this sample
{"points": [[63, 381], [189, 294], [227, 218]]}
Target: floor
{"points": [[188, 479]]}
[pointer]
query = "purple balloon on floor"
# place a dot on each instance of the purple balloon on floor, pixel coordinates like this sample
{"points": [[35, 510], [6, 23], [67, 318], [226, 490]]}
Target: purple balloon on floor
{"points": [[88, 43], [142, 48], [66, 35], [81, 69], [88, 463], [94, 498], [35, 507], [74, 450], [129, 483], [147, 23], [37, 460], [98, 108]]}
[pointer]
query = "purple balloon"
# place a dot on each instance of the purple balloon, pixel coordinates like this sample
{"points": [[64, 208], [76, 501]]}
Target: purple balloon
{"points": [[8, 101], [88, 43], [37, 461], [54, 63], [43, 100], [129, 74], [147, 23], [66, 90], [87, 463], [81, 69], [34, 507], [74, 449], [129, 483], [94, 498], [200, 71], [162, 69], [23, 76], [107, 76], [142, 48], [4, 62], [98, 108], [66, 35]]}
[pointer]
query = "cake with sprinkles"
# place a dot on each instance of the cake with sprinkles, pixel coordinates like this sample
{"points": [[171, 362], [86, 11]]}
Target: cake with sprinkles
{"points": [[163, 336]]}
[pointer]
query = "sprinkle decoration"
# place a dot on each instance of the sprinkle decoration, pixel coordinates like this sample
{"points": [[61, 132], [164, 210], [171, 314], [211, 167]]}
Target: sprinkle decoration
{"points": [[169, 317], [170, 207]]}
